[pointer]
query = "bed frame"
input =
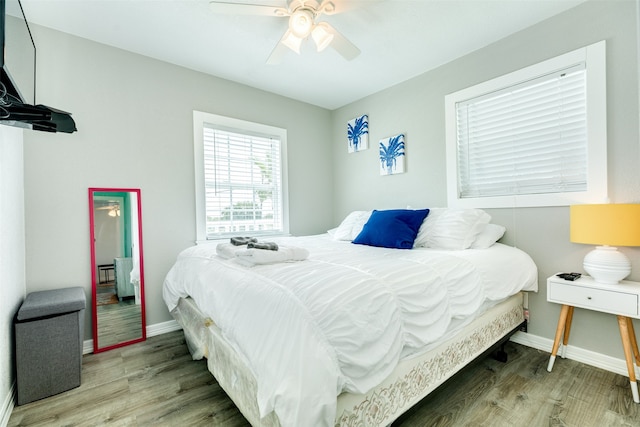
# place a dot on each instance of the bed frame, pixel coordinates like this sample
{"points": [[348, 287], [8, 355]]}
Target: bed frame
{"points": [[411, 381]]}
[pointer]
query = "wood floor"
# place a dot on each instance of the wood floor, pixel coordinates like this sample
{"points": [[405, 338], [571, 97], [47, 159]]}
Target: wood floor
{"points": [[155, 383], [119, 322]]}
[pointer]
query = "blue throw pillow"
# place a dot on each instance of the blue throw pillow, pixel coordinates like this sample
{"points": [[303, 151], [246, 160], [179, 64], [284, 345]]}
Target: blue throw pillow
{"points": [[396, 228]]}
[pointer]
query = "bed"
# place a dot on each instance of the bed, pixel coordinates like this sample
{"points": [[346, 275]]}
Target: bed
{"points": [[124, 286], [347, 334]]}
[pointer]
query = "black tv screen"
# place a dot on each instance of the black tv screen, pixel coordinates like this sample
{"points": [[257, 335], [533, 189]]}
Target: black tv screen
{"points": [[19, 53], [18, 77]]}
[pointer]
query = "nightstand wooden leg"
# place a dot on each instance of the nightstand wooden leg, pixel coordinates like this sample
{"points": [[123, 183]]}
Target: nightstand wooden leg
{"points": [[634, 342], [628, 355], [567, 330], [564, 312]]}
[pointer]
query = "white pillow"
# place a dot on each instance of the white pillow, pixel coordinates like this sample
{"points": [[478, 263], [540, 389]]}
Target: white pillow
{"points": [[427, 225], [351, 226], [491, 234], [453, 229]]}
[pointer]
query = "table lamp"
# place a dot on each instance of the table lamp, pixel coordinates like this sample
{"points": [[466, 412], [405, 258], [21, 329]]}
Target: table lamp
{"points": [[608, 226]]}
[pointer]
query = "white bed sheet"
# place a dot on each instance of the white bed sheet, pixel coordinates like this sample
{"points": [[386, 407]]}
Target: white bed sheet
{"points": [[345, 316]]}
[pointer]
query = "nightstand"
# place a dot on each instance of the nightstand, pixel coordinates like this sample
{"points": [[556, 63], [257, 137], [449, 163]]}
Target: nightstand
{"points": [[622, 299]]}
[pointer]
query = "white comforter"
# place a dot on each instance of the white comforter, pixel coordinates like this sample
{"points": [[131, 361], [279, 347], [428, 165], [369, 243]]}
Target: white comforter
{"points": [[341, 319]]}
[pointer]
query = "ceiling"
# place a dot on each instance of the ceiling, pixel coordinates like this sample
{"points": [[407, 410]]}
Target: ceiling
{"points": [[399, 39]]}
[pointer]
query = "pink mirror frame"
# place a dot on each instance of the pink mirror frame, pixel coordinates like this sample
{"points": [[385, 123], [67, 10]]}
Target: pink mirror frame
{"points": [[95, 274]]}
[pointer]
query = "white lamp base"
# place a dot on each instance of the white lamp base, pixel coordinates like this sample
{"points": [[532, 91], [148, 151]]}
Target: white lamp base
{"points": [[607, 265]]}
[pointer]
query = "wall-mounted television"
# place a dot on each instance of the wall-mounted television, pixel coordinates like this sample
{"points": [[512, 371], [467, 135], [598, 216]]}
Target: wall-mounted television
{"points": [[18, 76], [18, 52]]}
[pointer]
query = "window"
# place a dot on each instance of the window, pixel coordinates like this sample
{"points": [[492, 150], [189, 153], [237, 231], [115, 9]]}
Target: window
{"points": [[240, 186], [535, 137]]}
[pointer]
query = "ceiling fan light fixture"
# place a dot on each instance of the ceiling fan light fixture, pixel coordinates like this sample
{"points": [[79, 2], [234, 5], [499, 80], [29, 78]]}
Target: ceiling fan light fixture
{"points": [[301, 23], [321, 36], [291, 41]]}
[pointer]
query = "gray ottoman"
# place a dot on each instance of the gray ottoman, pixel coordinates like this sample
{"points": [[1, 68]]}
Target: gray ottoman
{"points": [[49, 331]]}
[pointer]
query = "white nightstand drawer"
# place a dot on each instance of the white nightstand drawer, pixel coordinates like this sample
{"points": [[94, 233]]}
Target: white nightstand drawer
{"points": [[615, 302]]}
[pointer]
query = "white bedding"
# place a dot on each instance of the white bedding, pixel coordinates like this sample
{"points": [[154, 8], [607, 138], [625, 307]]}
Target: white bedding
{"points": [[341, 319]]}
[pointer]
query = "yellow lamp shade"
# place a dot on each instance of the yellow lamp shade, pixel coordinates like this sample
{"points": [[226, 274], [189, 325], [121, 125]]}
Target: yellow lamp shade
{"points": [[606, 224]]}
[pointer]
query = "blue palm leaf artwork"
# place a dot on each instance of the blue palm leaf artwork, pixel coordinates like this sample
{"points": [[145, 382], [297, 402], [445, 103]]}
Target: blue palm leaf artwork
{"points": [[358, 133], [392, 155]]}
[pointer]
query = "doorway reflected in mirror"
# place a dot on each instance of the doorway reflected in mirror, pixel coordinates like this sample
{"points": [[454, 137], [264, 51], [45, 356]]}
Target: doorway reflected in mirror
{"points": [[116, 267]]}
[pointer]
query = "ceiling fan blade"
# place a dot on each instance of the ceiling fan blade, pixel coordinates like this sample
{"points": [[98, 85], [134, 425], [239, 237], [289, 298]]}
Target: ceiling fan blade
{"points": [[230, 7], [343, 46], [277, 54], [328, 7], [332, 7]]}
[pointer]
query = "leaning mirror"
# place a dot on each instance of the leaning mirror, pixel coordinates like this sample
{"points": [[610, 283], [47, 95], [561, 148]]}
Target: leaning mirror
{"points": [[117, 275]]}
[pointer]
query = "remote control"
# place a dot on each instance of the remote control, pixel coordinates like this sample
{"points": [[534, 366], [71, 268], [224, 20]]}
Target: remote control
{"points": [[569, 276]]}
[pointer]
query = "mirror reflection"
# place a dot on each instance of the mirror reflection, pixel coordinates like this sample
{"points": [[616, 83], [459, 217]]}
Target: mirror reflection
{"points": [[116, 265]]}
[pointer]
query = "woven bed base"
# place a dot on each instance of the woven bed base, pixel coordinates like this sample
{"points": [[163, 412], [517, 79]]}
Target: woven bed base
{"points": [[411, 381]]}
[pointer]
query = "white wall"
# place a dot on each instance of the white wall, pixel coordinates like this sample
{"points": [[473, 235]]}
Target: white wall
{"points": [[416, 108], [134, 119], [12, 256]]}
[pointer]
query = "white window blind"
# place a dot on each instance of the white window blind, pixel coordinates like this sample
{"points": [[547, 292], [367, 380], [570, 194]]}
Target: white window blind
{"points": [[530, 138], [242, 182], [536, 136]]}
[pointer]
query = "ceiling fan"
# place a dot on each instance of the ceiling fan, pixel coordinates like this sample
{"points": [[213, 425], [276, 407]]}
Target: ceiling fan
{"points": [[303, 23], [112, 206]]}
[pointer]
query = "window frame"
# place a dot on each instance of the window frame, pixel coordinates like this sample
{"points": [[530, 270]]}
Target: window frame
{"points": [[594, 58], [213, 120]]}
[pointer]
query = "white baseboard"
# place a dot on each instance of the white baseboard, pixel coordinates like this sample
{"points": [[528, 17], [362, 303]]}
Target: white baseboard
{"points": [[152, 331], [7, 406], [87, 347], [162, 328], [598, 360]]}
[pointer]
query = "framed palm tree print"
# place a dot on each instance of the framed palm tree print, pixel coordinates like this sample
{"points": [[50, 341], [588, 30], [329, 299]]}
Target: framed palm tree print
{"points": [[392, 155], [358, 133]]}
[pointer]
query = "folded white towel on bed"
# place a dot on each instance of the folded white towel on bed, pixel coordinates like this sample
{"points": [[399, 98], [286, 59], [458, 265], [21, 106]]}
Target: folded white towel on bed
{"points": [[251, 257], [228, 250]]}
